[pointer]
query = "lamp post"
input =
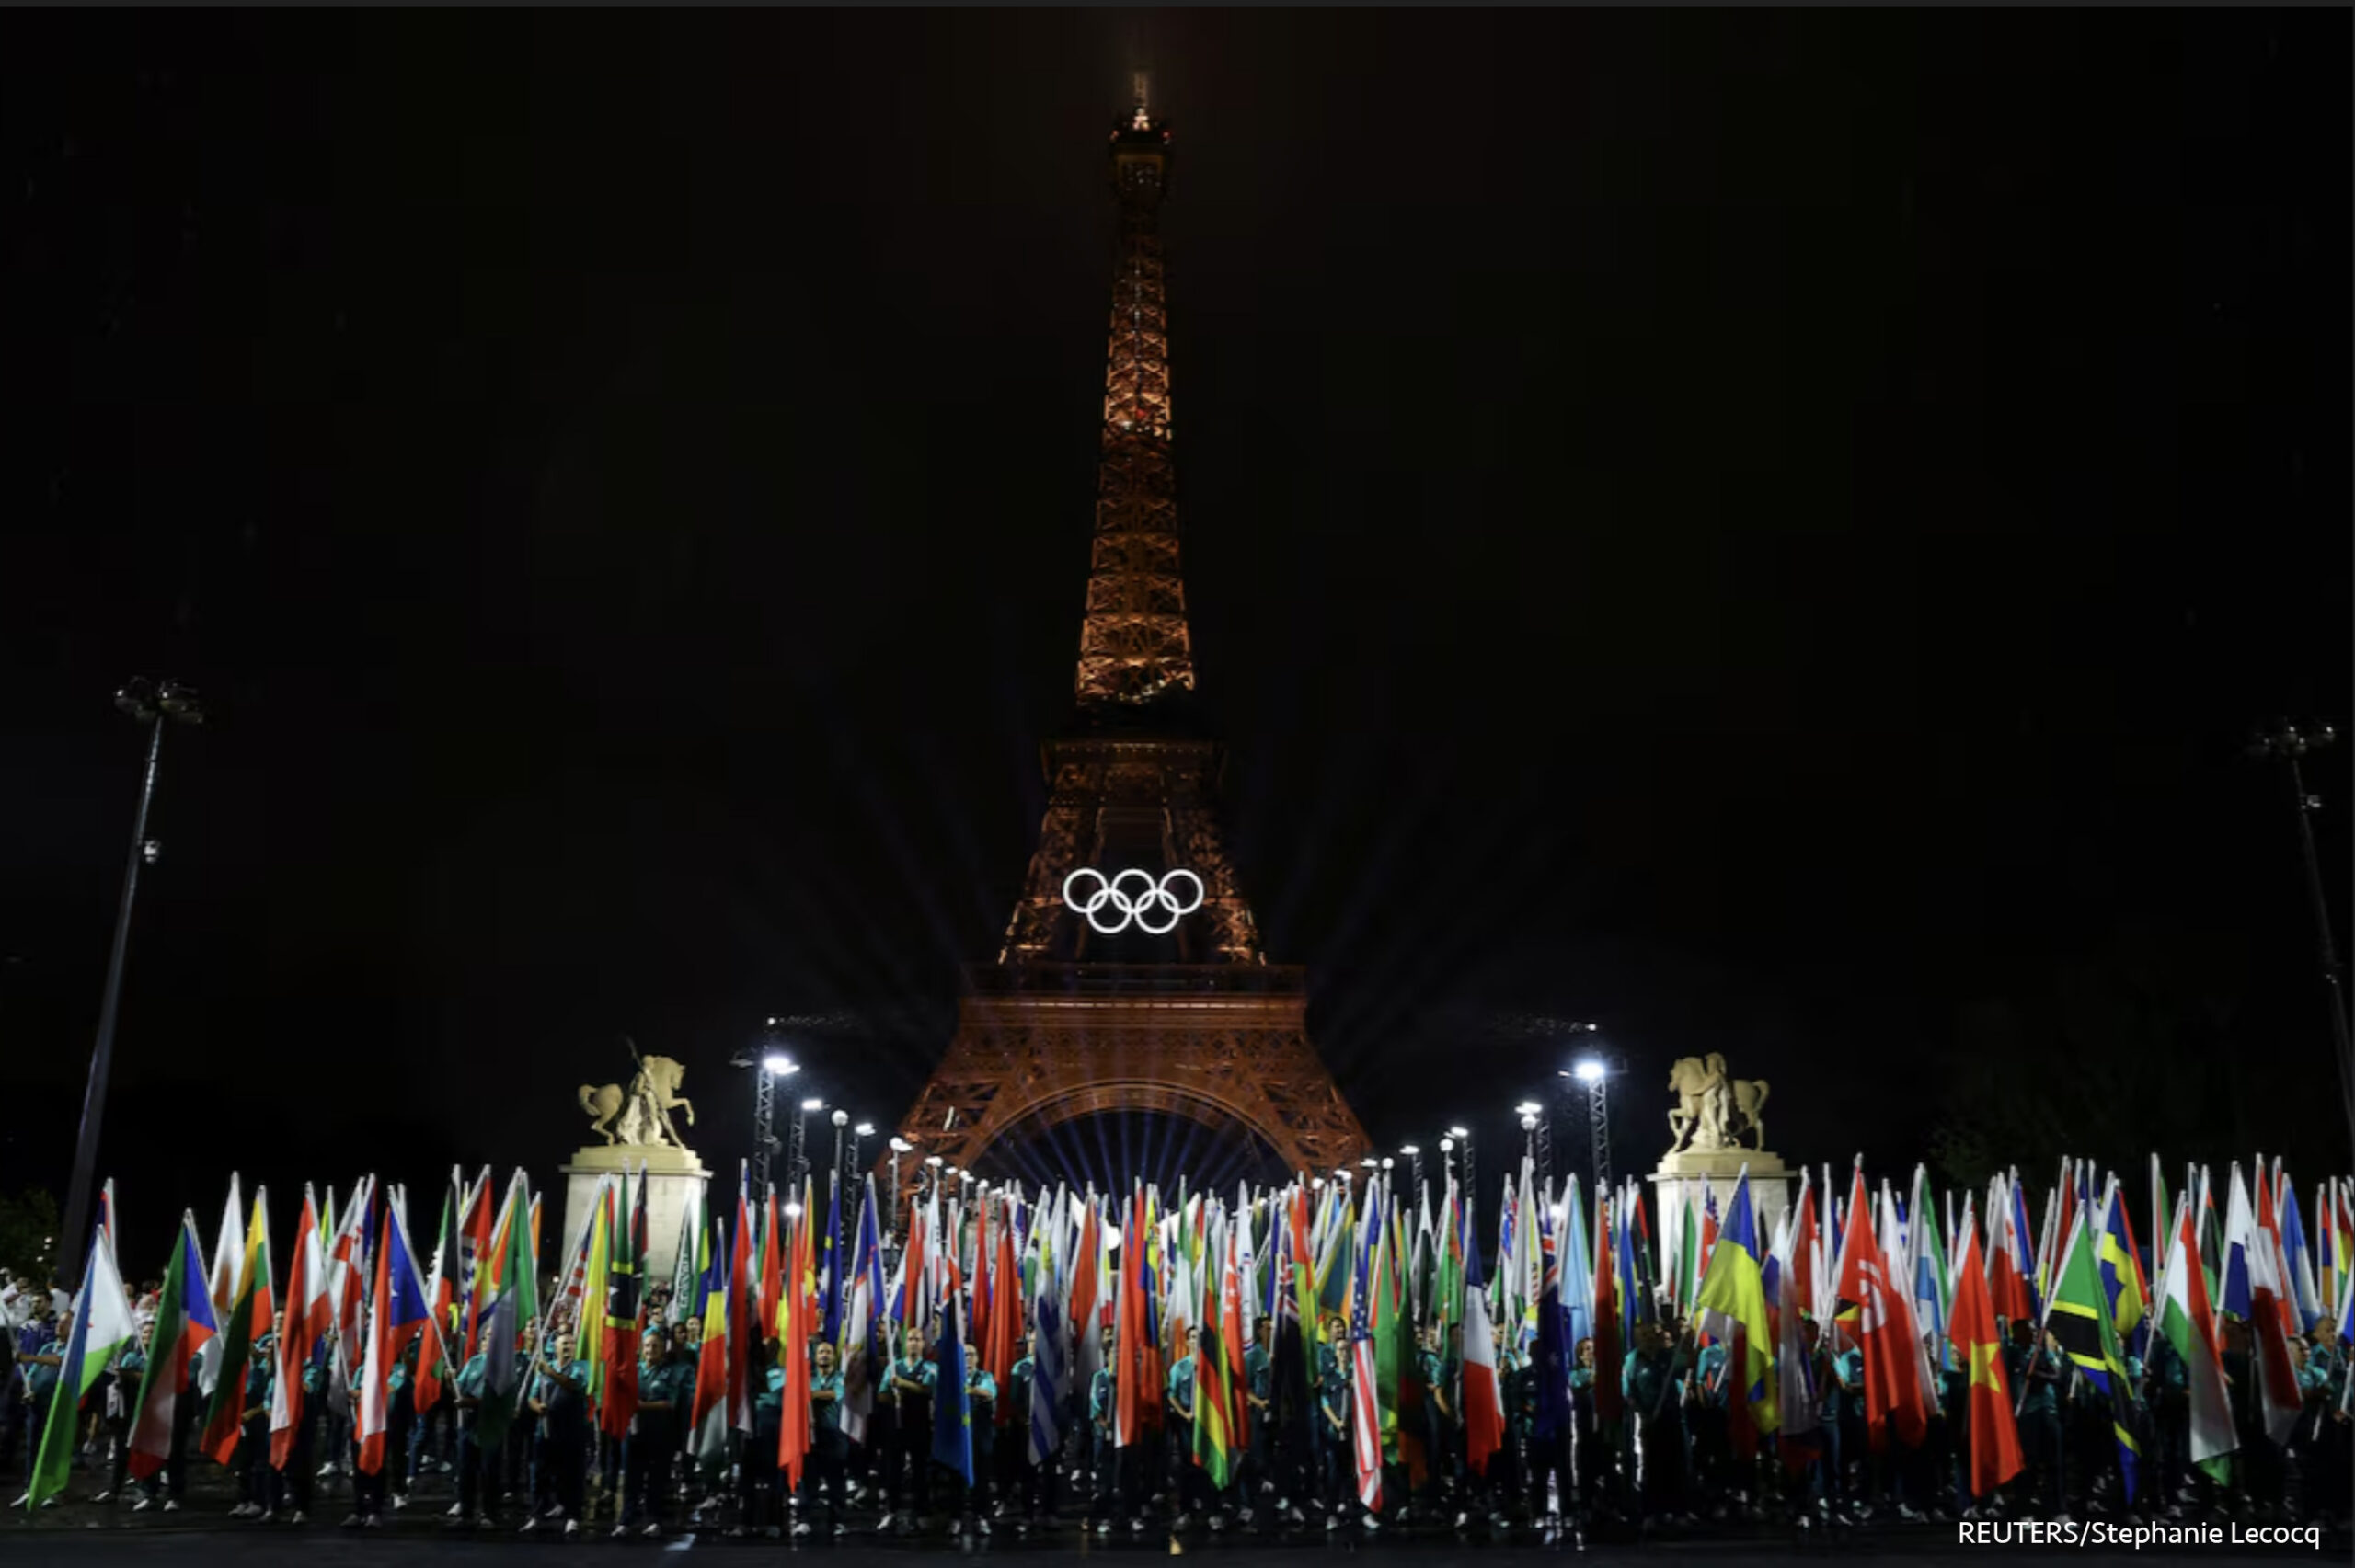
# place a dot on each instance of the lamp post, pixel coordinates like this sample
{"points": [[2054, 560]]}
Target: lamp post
{"points": [[1471, 1178], [899, 1145], [797, 1162], [152, 703], [2285, 742], [1537, 1149], [1414, 1152]]}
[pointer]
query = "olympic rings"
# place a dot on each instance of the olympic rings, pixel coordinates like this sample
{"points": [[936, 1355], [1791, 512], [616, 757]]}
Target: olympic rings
{"points": [[1132, 895]]}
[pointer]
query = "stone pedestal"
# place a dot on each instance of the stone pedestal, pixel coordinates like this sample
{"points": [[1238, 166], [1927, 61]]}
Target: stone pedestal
{"points": [[1696, 1174], [671, 1174]]}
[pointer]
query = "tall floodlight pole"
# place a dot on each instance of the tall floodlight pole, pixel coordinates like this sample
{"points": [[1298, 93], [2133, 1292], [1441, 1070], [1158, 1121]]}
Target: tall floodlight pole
{"points": [[1414, 1152], [1596, 1076], [2287, 743], [797, 1162], [770, 1064], [153, 704]]}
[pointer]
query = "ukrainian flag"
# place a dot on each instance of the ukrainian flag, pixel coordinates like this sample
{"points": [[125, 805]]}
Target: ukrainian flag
{"points": [[1733, 1296]]}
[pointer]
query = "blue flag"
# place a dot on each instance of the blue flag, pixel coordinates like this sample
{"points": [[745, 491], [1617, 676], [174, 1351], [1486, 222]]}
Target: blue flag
{"points": [[952, 1409]]}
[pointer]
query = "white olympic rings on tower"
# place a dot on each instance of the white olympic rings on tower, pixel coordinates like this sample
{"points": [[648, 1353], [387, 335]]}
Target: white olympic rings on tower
{"points": [[1134, 895]]}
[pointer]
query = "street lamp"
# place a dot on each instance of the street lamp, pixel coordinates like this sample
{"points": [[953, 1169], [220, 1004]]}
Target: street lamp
{"points": [[152, 703], [2287, 743], [1414, 1152], [1471, 1179], [899, 1145], [1539, 1146]]}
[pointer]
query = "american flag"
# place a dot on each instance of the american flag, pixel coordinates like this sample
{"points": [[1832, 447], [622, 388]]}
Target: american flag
{"points": [[1365, 1421]]}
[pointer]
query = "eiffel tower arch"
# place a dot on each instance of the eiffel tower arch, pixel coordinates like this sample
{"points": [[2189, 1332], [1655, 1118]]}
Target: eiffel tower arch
{"points": [[1154, 1011]]}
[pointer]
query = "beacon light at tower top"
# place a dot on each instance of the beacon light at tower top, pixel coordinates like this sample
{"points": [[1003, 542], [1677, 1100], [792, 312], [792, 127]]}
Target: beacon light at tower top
{"points": [[779, 1065], [1587, 1071]]}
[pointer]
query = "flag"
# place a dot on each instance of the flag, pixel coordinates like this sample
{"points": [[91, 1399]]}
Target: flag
{"points": [[1733, 1302], [376, 1370], [512, 1299], [2009, 1269], [952, 1407], [1894, 1394], [2079, 1318], [709, 1417], [308, 1318], [625, 1314], [228, 1251], [2124, 1291], [184, 1325], [1484, 1411], [440, 1301], [247, 1320], [1365, 1416], [1995, 1433], [102, 1327], [1049, 1368], [2188, 1324], [1610, 1348], [865, 1332]]}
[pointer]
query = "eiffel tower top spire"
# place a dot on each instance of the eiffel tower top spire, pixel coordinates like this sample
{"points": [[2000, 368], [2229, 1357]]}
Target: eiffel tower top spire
{"points": [[1134, 652]]}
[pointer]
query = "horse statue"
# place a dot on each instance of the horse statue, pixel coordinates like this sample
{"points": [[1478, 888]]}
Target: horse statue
{"points": [[639, 1116], [1714, 1110]]}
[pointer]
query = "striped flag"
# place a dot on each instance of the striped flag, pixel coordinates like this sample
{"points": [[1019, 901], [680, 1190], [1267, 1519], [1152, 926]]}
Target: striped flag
{"points": [[1365, 1417], [184, 1325], [102, 1327], [247, 1320]]}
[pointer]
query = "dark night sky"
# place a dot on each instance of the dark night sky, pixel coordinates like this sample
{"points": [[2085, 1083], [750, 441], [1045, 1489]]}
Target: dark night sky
{"points": [[1762, 530]]}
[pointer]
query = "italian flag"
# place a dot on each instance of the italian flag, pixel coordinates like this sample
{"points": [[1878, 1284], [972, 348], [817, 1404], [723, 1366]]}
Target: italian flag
{"points": [[1484, 1411]]}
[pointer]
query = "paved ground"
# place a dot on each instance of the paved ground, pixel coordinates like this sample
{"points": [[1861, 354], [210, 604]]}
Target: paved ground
{"points": [[112, 1536]]}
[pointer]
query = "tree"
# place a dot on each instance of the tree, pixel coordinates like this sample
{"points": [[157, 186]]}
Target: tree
{"points": [[28, 1234]]}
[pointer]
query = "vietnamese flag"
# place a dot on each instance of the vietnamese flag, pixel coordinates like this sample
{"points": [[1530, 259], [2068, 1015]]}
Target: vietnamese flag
{"points": [[1994, 1436]]}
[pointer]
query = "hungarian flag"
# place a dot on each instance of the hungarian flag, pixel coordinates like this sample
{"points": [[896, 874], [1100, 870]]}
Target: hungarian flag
{"points": [[102, 1327], [2188, 1322], [248, 1319], [184, 1325], [1994, 1435], [308, 1318]]}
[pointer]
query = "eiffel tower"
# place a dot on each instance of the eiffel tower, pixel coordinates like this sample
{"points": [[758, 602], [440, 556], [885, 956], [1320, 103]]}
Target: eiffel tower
{"points": [[1104, 997]]}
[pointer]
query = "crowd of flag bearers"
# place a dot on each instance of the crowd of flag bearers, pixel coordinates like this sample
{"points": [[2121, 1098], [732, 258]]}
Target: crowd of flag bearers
{"points": [[1329, 1354]]}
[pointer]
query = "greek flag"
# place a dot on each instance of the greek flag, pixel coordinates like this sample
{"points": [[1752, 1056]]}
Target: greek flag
{"points": [[1049, 1373]]}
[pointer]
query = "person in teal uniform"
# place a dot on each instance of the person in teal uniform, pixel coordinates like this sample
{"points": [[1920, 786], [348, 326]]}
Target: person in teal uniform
{"points": [[760, 1479], [1710, 1439], [1108, 1501], [1336, 1466], [562, 1403], [124, 1380], [1193, 1484], [829, 1465], [1652, 1380], [1441, 1480], [2035, 1373], [478, 1466], [652, 1441], [1259, 1469], [980, 1402], [908, 1475], [1026, 1489], [249, 1462]]}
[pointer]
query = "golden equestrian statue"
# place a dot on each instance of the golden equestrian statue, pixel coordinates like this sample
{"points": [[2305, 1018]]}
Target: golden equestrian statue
{"points": [[639, 1116], [1713, 1110]]}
